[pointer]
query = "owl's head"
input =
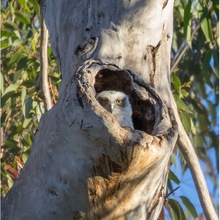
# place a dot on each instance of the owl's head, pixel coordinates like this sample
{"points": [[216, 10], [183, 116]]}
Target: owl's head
{"points": [[113, 100]]}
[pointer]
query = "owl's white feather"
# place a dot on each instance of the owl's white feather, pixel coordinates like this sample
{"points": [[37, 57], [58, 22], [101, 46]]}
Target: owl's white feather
{"points": [[118, 104]]}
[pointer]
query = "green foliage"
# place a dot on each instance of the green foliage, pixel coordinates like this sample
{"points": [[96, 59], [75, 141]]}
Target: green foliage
{"points": [[22, 105], [189, 206], [176, 210], [195, 86], [173, 177], [195, 83]]}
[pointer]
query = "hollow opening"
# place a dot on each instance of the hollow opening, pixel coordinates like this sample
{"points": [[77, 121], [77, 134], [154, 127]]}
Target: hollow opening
{"points": [[143, 116], [113, 80]]}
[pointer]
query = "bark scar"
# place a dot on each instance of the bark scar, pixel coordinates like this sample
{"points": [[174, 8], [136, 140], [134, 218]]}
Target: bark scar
{"points": [[164, 4], [152, 51], [86, 49]]}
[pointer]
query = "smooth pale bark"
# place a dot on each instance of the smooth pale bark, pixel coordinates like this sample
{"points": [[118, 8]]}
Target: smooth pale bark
{"points": [[44, 67], [133, 35], [83, 165]]}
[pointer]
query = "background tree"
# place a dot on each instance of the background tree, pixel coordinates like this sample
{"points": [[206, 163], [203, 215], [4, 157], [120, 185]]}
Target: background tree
{"points": [[20, 67], [22, 103]]}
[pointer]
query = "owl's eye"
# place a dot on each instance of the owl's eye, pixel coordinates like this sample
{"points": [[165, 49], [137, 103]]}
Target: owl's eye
{"points": [[118, 102], [104, 101]]}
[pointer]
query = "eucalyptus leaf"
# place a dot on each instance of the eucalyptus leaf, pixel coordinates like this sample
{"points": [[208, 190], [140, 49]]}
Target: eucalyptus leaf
{"points": [[189, 206], [1, 84], [24, 5], [22, 17], [18, 42], [23, 96], [181, 105], [15, 57], [176, 210], [206, 26], [12, 87], [36, 7], [176, 83], [183, 93], [188, 22], [6, 97], [6, 33], [173, 177], [4, 45], [24, 157], [10, 26], [186, 121], [22, 64], [28, 107], [173, 159], [26, 122], [11, 143]]}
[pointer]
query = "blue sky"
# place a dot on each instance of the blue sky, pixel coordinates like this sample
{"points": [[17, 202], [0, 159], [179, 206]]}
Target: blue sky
{"points": [[187, 187]]}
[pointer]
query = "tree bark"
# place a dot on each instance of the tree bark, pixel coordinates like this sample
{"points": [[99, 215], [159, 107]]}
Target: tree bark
{"points": [[44, 84], [83, 164]]}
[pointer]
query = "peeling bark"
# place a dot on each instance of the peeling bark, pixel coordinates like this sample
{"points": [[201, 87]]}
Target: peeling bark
{"points": [[152, 54]]}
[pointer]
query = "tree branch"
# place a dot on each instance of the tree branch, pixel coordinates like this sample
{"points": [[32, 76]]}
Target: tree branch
{"points": [[191, 158], [182, 50], [187, 149], [44, 66]]}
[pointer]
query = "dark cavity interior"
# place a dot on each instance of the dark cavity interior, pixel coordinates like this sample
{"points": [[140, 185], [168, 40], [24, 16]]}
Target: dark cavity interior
{"points": [[143, 111]]}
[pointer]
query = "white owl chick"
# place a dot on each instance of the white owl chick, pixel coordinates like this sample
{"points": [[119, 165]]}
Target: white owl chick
{"points": [[118, 104]]}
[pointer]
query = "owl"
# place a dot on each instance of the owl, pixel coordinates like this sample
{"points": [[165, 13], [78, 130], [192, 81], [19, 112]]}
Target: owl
{"points": [[118, 104]]}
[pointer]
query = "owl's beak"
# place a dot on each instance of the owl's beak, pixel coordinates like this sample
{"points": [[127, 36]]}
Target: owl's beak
{"points": [[112, 107]]}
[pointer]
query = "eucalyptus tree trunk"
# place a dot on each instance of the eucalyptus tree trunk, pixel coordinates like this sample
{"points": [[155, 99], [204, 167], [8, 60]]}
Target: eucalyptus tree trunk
{"points": [[83, 164]]}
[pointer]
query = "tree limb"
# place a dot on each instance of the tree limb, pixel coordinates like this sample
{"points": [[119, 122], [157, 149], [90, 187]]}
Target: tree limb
{"points": [[182, 50], [187, 149], [191, 158], [44, 66]]}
